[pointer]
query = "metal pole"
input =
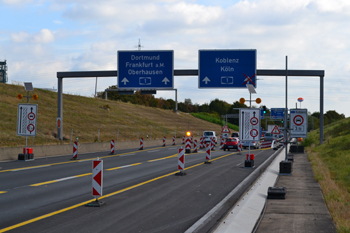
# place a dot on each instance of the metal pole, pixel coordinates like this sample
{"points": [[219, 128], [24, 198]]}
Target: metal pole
{"points": [[321, 108], [60, 106], [96, 87], [175, 100], [286, 111]]}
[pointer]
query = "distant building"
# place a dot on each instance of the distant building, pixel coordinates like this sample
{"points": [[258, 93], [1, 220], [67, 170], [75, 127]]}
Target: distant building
{"points": [[3, 72]]}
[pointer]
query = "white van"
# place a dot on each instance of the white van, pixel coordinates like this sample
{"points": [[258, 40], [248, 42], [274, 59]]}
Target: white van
{"points": [[208, 134]]}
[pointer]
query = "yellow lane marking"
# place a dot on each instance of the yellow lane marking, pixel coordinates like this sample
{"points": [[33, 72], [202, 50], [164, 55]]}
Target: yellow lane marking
{"points": [[43, 183], [171, 156], [115, 168], [86, 202], [75, 161], [1, 192], [58, 180], [86, 174]]}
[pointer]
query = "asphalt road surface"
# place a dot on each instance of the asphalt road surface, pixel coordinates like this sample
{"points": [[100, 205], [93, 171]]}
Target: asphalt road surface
{"points": [[140, 190]]}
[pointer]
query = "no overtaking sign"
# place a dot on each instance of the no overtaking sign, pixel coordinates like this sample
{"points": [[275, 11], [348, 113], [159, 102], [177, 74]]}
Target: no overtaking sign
{"points": [[26, 119], [249, 124]]}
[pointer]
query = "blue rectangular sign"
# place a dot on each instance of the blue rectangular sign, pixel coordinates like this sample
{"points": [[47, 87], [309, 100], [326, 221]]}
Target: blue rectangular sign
{"points": [[146, 69], [277, 113], [226, 68]]}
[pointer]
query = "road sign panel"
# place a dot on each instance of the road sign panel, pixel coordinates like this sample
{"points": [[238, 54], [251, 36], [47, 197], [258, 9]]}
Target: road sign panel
{"points": [[275, 130], [226, 68], [249, 124], [298, 123], [146, 69], [277, 113], [26, 119]]}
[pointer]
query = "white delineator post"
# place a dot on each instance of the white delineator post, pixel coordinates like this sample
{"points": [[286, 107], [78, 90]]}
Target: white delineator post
{"points": [[97, 178], [212, 143], [112, 147], [239, 147], [208, 152], [201, 143], [195, 149], [164, 141], [141, 143], [173, 140]]}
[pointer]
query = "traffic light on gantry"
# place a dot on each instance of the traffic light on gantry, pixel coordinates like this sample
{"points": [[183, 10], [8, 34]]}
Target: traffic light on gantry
{"points": [[264, 109]]}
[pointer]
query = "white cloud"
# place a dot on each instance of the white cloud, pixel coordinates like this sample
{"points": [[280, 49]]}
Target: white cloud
{"points": [[16, 2], [43, 36]]}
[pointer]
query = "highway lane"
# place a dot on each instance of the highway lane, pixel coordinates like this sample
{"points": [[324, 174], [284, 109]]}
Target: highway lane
{"points": [[23, 202]]}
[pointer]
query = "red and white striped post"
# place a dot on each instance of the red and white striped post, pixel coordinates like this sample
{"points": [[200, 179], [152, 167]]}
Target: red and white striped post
{"points": [[221, 142], [183, 139], [112, 147], [173, 140], [208, 153], [97, 178], [141, 144], [195, 149], [201, 143], [164, 141], [75, 151], [188, 145], [191, 138], [239, 147], [181, 162], [212, 143]]}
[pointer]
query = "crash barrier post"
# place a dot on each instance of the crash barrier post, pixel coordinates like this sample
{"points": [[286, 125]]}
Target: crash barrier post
{"points": [[75, 151]]}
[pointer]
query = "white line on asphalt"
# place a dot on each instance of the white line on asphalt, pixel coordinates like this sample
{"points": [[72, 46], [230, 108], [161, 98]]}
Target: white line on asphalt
{"points": [[67, 178], [152, 151], [27, 168], [127, 155]]}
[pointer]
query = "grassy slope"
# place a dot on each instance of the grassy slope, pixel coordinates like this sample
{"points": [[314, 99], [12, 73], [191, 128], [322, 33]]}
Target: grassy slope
{"points": [[331, 166], [87, 115]]}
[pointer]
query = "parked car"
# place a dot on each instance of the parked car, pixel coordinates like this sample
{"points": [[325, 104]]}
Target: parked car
{"points": [[231, 143], [209, 134], [253, 144]]}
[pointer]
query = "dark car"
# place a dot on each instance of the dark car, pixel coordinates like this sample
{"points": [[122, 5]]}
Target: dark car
{"points": [[235, 135], [231, 143]]}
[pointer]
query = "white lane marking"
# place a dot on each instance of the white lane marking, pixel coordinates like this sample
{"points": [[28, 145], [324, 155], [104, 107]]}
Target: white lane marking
{"points": [[67, 178], [152, 151], [127, 155], [27, 168], [172, 148]]}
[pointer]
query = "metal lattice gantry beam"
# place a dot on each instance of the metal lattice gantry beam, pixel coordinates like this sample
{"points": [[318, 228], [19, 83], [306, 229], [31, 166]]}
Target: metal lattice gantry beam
{"points": [[187, 72]]}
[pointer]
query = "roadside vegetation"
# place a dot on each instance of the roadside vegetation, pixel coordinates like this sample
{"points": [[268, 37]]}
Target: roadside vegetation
{"points": [[92, 119], [214, 118], [331, 166]]}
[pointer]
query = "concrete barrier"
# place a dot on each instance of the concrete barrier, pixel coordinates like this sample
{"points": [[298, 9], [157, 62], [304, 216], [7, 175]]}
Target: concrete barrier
{"points": [[11, 153]]}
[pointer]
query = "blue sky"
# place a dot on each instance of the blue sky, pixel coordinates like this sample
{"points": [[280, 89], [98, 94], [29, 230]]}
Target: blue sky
{"points": [[38, 38]]}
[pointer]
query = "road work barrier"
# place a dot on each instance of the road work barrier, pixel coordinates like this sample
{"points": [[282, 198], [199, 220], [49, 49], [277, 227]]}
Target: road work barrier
{"points": [[141, 143], [202, 143], [173, 140], [221, 142], [75, 151], [212, 143], [112, 147], [188, 145], [181, 162], [164, 141], [183, 139], [265, 144], [208, 153], [195, 149], [97, 182]]}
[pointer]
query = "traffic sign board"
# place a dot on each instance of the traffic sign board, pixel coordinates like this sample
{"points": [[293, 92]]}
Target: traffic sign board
{"points": [[277, 113], [298, 123], [249, 124], [26, 119], [226, 68], [276, 130], [146, 69]]}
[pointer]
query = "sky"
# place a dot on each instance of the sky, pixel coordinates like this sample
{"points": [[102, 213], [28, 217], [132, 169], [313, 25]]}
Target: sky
{"points": [[39, 38]]}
